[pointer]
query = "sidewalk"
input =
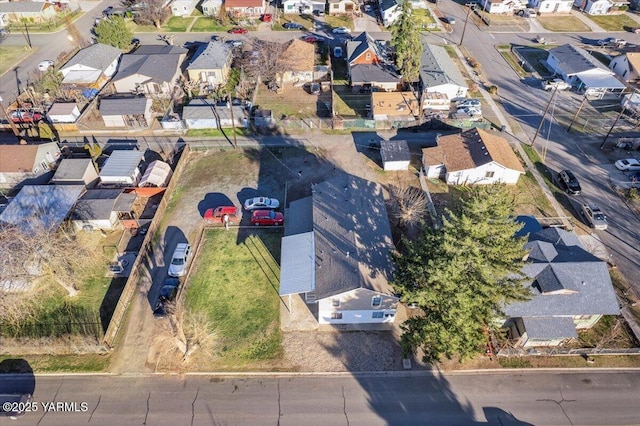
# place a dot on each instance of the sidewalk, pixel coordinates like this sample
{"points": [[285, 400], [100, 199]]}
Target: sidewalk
{"points": [[588, 22]]}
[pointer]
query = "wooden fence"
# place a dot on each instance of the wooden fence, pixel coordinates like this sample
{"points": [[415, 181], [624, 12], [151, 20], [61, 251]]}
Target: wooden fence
{"points": [[138, 268]]}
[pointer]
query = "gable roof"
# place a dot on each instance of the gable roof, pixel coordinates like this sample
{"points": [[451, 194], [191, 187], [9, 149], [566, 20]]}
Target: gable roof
{"points": [[564, 280], [437, 68], [158, 63], [39, 207], [372, 73], [359, 45], [388, 4], [97, 56], [213, 55], [123, 105], [634, 60], [21, 7], [299, 56], [242, 3], [471, 149], [573, 59], [22, 158], [95, 204]]}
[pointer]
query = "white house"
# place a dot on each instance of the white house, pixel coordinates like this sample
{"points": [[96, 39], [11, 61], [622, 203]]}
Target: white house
{"points": [[552, 6], [336, 253], [583, 71], [389, 11], [439, 74], [340, 7], [472, 157], [245, 8], [203, 114], [95, 210], [122, 168], [92, 66], [502, 6], [129, 111], [626, 66], [183, 7], [599, 7], [63, 112], [211, 7], [301, 6], [395, 155]]}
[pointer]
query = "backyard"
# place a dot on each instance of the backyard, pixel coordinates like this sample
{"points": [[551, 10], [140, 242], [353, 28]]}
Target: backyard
{"points": [[292, 101]]}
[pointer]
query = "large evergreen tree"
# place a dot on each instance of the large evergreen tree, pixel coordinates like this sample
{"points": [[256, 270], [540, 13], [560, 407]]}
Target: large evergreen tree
{"points": [[114, 32], [461, 274], [406, 41]]}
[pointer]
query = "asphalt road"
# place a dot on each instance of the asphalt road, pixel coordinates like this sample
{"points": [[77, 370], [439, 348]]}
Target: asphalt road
{"points": [[516, 398]]}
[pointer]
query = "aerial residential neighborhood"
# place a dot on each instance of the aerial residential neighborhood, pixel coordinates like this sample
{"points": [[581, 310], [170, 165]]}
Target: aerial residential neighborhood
{"points": [[299, 190]]}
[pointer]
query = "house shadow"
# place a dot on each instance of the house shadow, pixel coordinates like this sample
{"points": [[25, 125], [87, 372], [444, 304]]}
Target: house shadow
{"points": [[16, 378], [368, 144]]}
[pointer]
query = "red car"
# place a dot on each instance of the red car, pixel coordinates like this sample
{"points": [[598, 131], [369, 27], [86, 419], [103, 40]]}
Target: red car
{"points": [[21, 116], [216, 216], [238, 30], [313, 39], [266, 17], [266, 217]]}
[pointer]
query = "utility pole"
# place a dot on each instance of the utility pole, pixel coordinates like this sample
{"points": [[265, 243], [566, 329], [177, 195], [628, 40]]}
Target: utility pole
{"points": [[577, 112], [233, 122], [14, 128], [27, 36], [464, 29], [624, 107], [544, 116]]}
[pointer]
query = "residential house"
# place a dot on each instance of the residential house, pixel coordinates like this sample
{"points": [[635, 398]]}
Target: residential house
{"points": [[395, 155], [202, 114], [363, 50], [336, 254], [389, 11], [129, 111], [299, 58], [365, 78], [39, 208], [183, 7], [580, 69], [551, 6], [17, 11], [211, 64], [92, 66], [472, 157], [340, 7], [600, 7], [439, 74], [100, 209], [245, 8], [150, 69], [570, 289], [76, 171], [27, 164], [299, 7], [626, 66], [63, 112], [503, 6], [211, 7], [394, 106], [122, 168]]}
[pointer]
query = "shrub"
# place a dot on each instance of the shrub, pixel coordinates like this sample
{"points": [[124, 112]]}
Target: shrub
{"points": [[493, 89]]}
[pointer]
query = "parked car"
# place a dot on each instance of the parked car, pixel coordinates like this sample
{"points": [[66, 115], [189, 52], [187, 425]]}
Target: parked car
{"points": [[630, 164], [313, 39], [180, 260], [216, 216], [318, 12], [267, 217], [315, 88], [292, 26], [45, 65], [611, 41], [261, 203], [337, 52], [238, 30], [234, 43], [569, 182], [594, 216], [450, 20], [341, 30], [168, 293], [470, 111], [468, 103], [635, 30], [367, 8], [558, 83], [23, 116], [266, 17]]}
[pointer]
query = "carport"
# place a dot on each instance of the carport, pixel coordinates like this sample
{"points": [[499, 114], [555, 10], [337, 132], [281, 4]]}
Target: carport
{"points": [[597, 84]]}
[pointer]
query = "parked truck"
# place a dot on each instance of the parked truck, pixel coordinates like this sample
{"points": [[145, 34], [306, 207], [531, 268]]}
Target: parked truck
{"points": [[558, 83]]}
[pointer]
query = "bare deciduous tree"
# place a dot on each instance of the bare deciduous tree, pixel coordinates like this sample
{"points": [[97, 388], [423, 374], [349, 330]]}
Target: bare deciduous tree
{"points": [[408, 204], [270, 60], [155, 13]]}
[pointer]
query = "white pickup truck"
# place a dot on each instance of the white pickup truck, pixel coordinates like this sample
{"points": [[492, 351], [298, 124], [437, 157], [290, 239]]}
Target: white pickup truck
{"points": [[549, 85]]}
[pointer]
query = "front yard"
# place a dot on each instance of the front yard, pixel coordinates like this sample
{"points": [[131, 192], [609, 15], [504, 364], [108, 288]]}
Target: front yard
{"points": [[563, 24], [614, 22]]}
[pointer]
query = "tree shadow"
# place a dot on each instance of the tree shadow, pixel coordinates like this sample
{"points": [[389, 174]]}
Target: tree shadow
{"points": [[16, 378]]}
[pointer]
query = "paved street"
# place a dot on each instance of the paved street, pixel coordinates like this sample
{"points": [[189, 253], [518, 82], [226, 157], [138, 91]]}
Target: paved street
{"points": [[516, 397]]}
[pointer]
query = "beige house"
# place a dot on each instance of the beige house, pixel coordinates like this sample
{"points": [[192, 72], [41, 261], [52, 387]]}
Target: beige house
{"points": [[32, 11], [299, 57], [626, 66], [338, 7], [211, 64]]}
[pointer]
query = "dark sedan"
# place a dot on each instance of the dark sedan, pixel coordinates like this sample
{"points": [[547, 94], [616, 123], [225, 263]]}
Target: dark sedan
{"points": [[569, 182]]}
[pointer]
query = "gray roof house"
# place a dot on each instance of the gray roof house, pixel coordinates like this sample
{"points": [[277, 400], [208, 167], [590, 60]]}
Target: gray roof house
{"points": [[395, 155], [126, 111], [366, 77], [121, 168], [149, 69], [211, 64], [439, 74], [205, 114], [41, 207], [91, 66], [579, 68], [99, 208], [571, 290], [18, 10], [76, 171], [336, 252]]}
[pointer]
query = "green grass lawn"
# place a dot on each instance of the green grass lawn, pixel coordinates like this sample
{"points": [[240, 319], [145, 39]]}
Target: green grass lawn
{"points": [[614, 22], [305, 20], [562, 24], [135, 28], [513, 61], [63, 363], [338, 21], [424, 19], [204, 24], [12, 55], [177, 24], [534, 57], [236, 285], [214, 133]]}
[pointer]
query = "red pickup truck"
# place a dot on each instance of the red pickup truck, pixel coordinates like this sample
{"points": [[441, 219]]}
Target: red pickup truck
{"points": [[216, 216]]}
